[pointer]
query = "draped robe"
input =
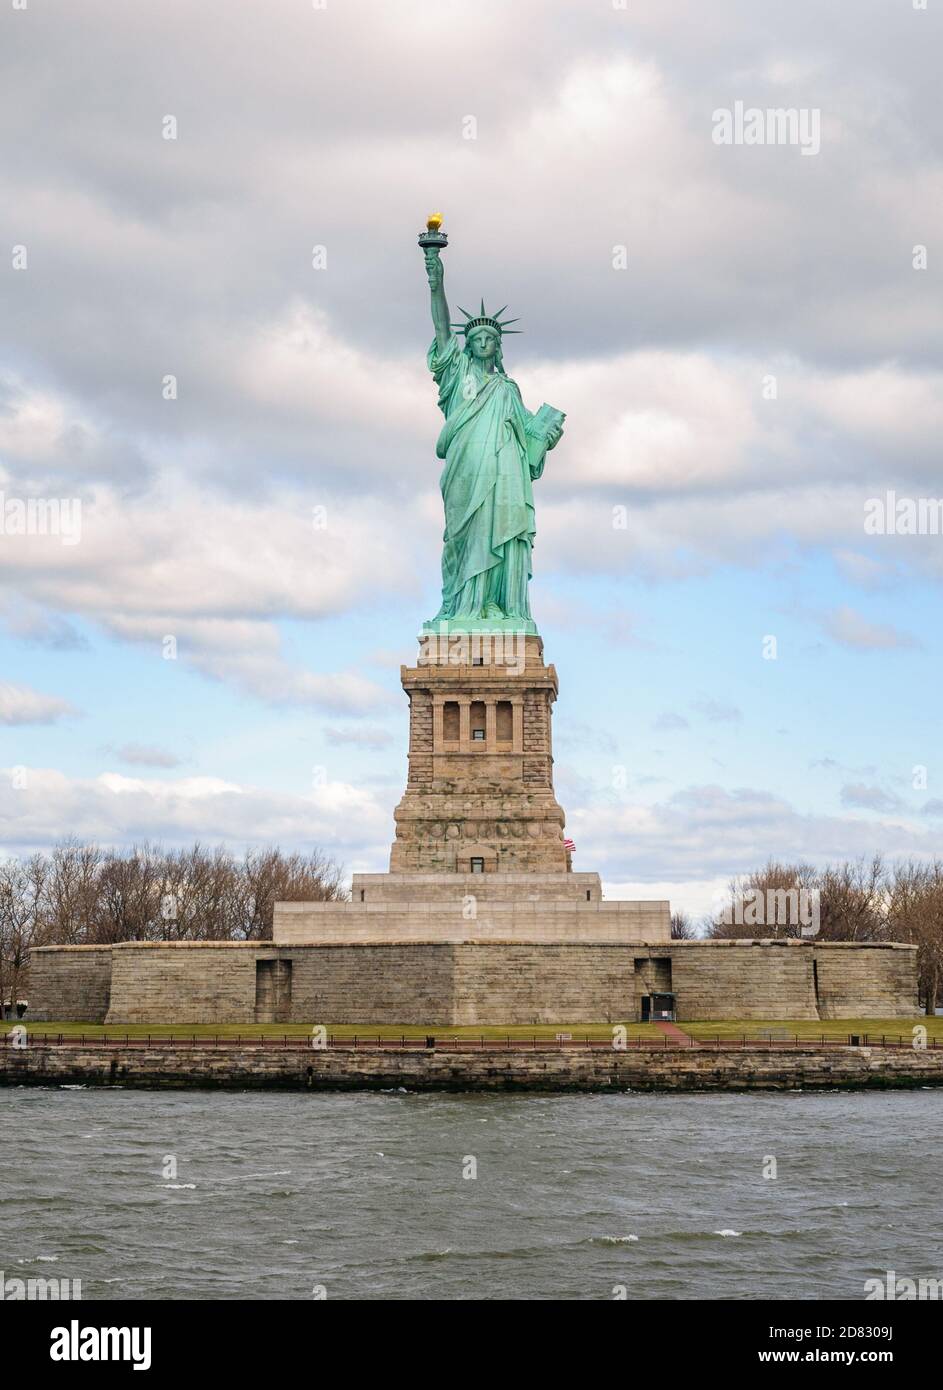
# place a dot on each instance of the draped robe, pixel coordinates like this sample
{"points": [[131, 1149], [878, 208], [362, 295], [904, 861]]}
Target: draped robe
{"points": [[487, 490]]}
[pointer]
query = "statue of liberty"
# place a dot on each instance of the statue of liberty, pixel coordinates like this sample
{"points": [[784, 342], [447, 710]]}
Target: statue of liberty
{"points": [[493, 449]]}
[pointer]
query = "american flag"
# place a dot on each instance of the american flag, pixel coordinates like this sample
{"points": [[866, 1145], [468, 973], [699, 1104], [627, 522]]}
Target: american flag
{"points": [[569, 844]]}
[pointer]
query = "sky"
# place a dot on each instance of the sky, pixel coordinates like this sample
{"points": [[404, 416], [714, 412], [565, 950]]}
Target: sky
{"points": [[213, 325]]}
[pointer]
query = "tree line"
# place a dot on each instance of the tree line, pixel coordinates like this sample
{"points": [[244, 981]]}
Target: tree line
{"points": [[854, 900], [86, 895]]}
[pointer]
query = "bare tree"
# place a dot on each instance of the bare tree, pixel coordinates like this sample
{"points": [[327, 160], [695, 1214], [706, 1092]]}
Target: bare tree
{"points": [[915, 914], [71, 896], [22, 887], [853, 900], [766, 903], [682, 928], [84, 895], [129, 896], [270, 876]]}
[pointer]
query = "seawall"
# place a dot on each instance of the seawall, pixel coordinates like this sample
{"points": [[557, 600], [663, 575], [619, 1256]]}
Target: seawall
{"points": [[338, 1068]]}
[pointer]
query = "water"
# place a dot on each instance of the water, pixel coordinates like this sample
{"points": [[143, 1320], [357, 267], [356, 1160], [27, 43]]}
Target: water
{"points": [[363, 1194]]}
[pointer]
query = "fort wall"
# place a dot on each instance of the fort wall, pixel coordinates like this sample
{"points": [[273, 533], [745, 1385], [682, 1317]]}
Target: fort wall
{"points": [[469, 982]]}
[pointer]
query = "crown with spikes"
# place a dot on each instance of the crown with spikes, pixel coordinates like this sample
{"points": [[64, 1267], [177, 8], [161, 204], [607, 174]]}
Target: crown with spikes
{"points": [[485, 320]]}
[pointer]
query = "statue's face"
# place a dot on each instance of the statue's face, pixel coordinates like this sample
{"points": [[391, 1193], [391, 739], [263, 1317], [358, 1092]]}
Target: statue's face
{"points": [[483, 344]]}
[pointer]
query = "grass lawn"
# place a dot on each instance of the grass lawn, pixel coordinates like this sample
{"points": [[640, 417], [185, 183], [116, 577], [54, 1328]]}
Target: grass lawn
{"points": [[602, 1031], [782, 1030], [811, 1031]]}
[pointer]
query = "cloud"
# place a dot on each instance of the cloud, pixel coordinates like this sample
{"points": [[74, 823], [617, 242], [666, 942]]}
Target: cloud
{"points": [[577, 736], [262, 672], [249, 656], [178, 550], [113, 809], [833, 765], [717, 711], [850, 629], [866, 571], [215, 575], [144, 755], [669, 721], [41, 629], [707, 833], [366, 736], [869, 798], [19, 704]]}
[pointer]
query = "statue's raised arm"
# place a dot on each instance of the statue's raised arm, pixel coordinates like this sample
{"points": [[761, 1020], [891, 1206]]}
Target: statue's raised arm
{"points": [[433, 240], [435, 270]]}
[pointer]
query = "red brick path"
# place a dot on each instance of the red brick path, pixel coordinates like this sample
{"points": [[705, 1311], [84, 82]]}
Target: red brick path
{"points": [[676, 1034]]}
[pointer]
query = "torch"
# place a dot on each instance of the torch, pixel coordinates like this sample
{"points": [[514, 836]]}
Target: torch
{"points": [[433, 238]]}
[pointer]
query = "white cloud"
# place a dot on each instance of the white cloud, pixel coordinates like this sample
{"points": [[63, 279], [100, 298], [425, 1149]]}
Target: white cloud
{"points": [[709, 833], [717, 711], [849, 628], [19, 704], [117, 810], [146, 755], [860, 796], [669, 721], [362, 736]]}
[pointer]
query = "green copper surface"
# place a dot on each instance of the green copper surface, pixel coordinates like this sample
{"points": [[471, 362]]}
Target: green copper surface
{"points": [[494, 450]]}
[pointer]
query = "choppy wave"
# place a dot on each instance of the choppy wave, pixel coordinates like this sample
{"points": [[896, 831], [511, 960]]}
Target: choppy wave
{"points": [[576, 1195]]}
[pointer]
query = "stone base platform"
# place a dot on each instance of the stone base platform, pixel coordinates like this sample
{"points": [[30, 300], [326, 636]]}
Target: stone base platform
{"points": [[513, 907], [490, 887], [312, 924]]}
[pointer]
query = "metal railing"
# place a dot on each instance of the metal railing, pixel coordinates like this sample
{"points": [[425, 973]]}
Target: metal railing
{"points": [[446, 1043]]}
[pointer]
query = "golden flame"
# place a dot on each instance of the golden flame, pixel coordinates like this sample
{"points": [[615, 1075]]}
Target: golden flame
{"points": [[434, 221]]}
